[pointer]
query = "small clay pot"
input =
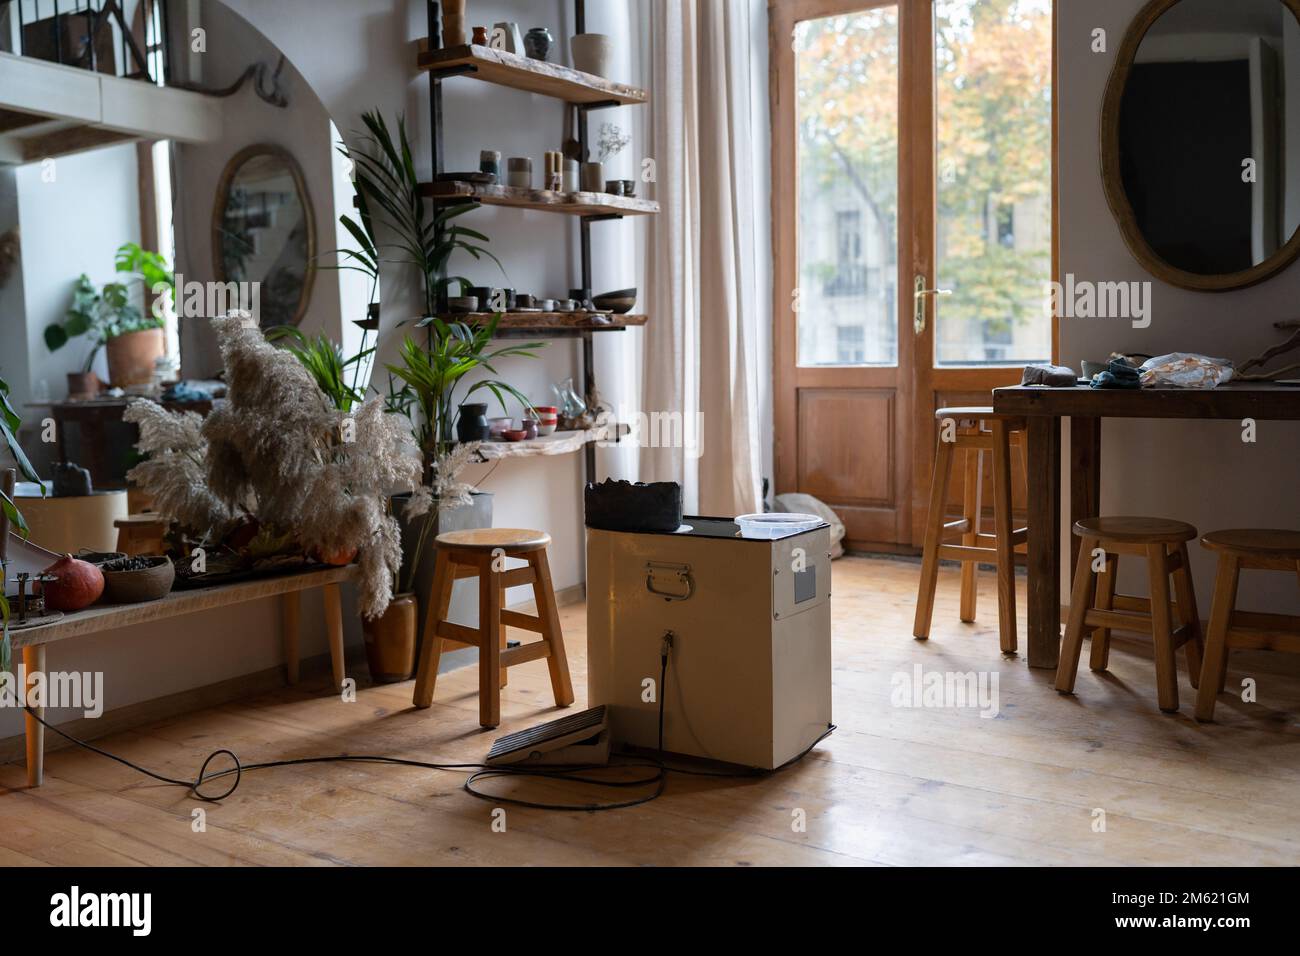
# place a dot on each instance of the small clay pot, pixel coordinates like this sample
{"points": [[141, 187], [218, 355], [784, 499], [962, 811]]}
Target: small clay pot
{"points": [[146, 584], [390, 641]]}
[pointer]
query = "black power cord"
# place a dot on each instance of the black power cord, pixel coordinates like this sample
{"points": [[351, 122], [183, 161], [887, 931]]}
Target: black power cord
{"points": [[571, 774]]}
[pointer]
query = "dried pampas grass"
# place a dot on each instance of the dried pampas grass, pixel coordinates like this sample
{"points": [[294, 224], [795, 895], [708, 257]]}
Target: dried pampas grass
{"points": [[279, 449]]}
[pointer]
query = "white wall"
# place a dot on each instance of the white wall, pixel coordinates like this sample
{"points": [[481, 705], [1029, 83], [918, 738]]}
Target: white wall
{"points": [[71, 224], [1196, 471]]}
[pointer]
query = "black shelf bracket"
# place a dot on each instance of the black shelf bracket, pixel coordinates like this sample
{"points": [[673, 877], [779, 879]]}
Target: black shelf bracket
{"points": [[446, 72], [602, 217], [600, 105]]}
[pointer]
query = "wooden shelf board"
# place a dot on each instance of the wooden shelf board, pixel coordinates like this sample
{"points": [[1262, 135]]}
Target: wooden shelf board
{"points": [[531, 76], [542, 322], [559, 443], [542, 200]]}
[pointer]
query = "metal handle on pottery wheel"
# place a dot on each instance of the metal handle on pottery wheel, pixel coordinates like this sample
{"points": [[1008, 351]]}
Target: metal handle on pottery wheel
{"points": [[683, 572]]}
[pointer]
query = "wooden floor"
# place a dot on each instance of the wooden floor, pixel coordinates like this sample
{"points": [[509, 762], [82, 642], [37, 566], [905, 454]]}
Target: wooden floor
{"points": [[893, 786]]}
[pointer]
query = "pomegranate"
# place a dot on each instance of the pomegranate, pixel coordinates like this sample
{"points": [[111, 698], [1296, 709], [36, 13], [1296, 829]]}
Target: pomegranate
{"points": [[79, 584]]}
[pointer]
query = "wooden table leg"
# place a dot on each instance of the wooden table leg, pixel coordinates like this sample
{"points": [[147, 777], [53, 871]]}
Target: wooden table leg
{"points": [[334, 629], [34, 663], [1085, 475], [1044, 624], [289, 621]]}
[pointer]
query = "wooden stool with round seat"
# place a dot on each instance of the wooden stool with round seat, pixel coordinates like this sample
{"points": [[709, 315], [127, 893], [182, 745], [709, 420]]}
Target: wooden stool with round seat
{"points": [[1244, 549], [974, 430], [1094, 603], [482, 553]]}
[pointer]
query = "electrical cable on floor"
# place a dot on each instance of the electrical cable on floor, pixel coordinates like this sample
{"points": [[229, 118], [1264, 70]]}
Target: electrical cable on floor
{"points": [[569, 774]]}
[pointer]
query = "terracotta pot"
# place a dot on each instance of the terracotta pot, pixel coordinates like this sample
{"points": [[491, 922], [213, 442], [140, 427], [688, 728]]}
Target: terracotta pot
{"points": [[390, 641], [131, 357], [83, 385]]}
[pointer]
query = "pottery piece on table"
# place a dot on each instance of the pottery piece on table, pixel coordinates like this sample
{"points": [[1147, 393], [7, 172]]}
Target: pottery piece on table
{"points": [[453, 23], [480, 36], [513, 434], [462, 304], [572, 181], [124, 583], [498, 426], [529, 428], [629, 187], [524, 301], [537, 43], [614, 187], [489, 163], [546, 305], [591, 53]]}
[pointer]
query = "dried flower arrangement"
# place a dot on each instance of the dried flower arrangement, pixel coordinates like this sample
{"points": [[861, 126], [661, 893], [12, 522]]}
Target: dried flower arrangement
{"points": [[280, 454]]}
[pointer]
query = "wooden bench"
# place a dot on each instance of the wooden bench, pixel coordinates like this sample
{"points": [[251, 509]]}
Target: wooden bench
{"points": [[33, 641]]}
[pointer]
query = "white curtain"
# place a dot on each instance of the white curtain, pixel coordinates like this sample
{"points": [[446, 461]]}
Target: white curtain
{"points": [[704, 293]]}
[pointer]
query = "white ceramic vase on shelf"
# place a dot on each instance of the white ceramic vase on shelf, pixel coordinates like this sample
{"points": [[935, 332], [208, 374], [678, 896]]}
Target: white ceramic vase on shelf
{"points": [[591, 53]]}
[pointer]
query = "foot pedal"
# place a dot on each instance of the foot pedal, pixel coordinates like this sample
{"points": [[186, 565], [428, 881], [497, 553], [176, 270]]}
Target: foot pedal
{"points": [[576, 739]]}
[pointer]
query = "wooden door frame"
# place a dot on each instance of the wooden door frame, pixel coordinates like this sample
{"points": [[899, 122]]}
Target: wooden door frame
{"points": [[787, 376], [916, 254]]}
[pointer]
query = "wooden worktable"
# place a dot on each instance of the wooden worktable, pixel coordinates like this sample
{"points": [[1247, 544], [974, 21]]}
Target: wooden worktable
{"points": [[1086, 407], [107, 617]]}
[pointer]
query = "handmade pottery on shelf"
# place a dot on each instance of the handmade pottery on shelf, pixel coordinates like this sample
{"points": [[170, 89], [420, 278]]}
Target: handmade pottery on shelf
{"points": [[497, 427], [548, 417], [614, 187], [453, 23], [529, 427], [514, 434], [519, 171], [480, 36], [134, 580], [489, 161], [629, 187], [463, 304], [619, 302], [472, 425], [537, 43], [591, 53], [593, 177]]}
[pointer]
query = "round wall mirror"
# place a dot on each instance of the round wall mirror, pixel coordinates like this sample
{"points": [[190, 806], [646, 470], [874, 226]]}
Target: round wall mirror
{"points": [[263, 232], [1200, 140]]}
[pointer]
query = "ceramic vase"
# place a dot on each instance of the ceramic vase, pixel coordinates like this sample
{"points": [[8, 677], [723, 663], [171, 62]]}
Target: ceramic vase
{"points": [[591, 53]]}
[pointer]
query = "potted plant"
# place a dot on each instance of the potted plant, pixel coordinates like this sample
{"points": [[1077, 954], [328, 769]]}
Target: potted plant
{"points": [[9, 424], [115, 317]]}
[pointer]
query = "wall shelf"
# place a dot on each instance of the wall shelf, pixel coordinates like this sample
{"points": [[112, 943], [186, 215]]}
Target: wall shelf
{"points": [[542, 200], [542, 323], [559, 443], [532, 76]]}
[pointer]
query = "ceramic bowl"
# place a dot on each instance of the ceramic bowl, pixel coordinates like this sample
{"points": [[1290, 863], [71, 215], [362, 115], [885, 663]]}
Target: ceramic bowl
{"points": [[498, 427], [514, 434], [620, 301], [463, 304], [146, 584]]}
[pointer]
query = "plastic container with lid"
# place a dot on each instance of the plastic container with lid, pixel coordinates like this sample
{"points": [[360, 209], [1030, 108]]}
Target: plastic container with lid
{"points": [[776, 524]]}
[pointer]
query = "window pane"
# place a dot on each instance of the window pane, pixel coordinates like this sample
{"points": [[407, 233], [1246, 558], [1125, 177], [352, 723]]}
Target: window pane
{"points": [[993, 63], [846, 71]]}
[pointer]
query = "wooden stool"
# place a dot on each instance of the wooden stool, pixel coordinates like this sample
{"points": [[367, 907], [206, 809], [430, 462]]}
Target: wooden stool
{"points": [[481, 553], [1250, 549], [141, 534], [1094, 603], [975, 439]]}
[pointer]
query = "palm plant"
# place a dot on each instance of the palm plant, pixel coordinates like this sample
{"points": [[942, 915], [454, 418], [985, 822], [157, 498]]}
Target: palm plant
{"points": [[324, 360], [9, 424], [386, 177], [432, 377]]}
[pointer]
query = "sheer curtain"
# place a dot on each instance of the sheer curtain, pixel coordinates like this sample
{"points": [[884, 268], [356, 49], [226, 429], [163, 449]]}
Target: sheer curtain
{"points": [[705, 293]]}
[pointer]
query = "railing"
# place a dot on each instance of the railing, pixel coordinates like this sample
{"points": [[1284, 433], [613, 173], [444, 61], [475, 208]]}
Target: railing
{"points": [[90, 35]]}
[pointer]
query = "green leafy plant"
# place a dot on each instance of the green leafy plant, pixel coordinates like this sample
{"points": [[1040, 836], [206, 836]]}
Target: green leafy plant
{"points": [[432, 377], [9, 425], [106, 313], [386, 179], [324, 360]]}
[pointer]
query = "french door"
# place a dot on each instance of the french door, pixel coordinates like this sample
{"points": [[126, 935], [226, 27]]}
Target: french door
{"points": [[913, 239]]}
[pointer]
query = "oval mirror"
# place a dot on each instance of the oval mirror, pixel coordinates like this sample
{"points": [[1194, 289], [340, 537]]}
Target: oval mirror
{"points": [[1200, 143], [263, 232]]}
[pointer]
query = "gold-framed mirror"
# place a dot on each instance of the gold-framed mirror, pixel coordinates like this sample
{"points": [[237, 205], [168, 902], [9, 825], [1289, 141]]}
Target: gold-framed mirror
{"points": [[1200, 140], [263, 231]]}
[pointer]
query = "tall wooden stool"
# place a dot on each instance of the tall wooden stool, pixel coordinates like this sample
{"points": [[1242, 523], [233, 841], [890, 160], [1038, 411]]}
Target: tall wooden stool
{"points": [[480, 553], [976, 431], [1094, 603], [1244, 549]]}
